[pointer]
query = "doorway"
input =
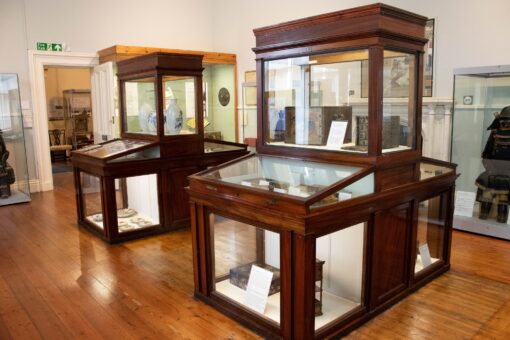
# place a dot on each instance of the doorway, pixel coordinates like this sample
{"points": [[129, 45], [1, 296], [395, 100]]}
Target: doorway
{"points": [[69, 108], [38, 61]]}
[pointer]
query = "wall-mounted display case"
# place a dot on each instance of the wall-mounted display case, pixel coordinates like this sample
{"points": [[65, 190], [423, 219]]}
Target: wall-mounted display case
{"points": [[337, 215], [480, 146], [134, 186], [14, 181]]}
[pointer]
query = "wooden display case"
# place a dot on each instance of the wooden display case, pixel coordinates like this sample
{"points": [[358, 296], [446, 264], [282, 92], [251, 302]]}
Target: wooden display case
{"points": [[220, 71], [374, 219], [134, 186]]}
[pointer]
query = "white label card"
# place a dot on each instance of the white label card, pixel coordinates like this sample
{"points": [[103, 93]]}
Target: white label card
{"points": [[464, 202], [337, 133], [246, 183], [263, 182], [342, 196], [257, 290], [294, 191], [425, 255]]}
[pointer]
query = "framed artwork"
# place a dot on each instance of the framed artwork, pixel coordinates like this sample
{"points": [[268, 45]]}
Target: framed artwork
{"points": [[428, 72]]}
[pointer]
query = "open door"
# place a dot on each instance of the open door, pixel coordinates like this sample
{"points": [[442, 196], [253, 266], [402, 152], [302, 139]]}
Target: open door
{"points": [[103, 102]]}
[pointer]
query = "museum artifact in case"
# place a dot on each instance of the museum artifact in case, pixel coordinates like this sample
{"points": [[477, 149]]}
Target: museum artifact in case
{"points": [[481, 148], [337, 216], [134, 186], [14, 182]]}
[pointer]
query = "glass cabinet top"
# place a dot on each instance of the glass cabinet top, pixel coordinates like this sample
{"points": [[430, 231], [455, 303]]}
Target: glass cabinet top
{"points": [[113, 148], [282, 175], [428, 170]]}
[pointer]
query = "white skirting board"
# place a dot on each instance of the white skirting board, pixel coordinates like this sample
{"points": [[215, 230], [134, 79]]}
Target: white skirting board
{"points": [[332, 306]]}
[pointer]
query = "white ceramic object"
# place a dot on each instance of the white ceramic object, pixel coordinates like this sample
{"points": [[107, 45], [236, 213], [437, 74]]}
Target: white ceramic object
{"points": [[173, 118]]}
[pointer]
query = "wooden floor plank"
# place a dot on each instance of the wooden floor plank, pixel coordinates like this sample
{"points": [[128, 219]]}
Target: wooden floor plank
{"points": [[59, 281]]}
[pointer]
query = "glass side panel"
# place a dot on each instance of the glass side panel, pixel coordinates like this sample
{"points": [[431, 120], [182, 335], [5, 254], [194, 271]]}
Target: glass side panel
{"points": [[363, 186], [210, 147], [431, 231], [140, 106], [137, 202], [318, 101], [151, 153], [179, 105], [285, 176], [91, 199], [14, 181], [339, 269], [428, 170], [219, 102], [243, 253], [480, 147], [399, 101]]}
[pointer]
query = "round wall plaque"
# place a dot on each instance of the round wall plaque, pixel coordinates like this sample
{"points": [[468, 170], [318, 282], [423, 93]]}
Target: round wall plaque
{"points": [[224, 96]]}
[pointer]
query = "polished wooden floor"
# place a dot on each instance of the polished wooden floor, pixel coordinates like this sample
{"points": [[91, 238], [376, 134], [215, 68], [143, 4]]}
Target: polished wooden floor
{"points": [[58, 281]]}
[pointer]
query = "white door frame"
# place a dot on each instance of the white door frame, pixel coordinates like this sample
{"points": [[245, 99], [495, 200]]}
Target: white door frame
{"points": [[36, 62]]}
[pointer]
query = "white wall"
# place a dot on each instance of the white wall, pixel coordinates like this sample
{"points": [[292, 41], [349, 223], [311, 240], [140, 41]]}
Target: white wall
{"points": [[468, 32]]}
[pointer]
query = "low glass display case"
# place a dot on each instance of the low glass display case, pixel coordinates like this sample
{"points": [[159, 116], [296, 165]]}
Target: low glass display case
{"points": [[480, 146], [14, 181], [337, 215], [134, 186]]}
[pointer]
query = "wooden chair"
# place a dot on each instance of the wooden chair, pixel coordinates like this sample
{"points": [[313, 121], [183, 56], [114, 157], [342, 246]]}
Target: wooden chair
{"points": [[58, 144]]}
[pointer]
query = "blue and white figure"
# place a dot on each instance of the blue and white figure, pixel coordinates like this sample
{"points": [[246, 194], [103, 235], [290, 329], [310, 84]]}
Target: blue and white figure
{"points": [[173, 118]]}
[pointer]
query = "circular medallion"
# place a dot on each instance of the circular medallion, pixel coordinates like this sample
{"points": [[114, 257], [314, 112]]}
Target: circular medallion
{"points": [[224, 96]]}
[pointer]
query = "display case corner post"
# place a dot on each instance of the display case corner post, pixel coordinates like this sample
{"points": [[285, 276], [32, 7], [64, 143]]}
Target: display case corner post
{"points": [[261, 132], [304, 291], [419, 103], [78, 194], [375, 99], [160, 106], [204, 250], [109, 204], [195, 242]]}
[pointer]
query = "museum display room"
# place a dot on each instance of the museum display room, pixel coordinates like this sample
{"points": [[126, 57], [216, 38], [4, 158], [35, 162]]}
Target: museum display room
{"points": [[337, 215], [134, 186], [254, 170]]}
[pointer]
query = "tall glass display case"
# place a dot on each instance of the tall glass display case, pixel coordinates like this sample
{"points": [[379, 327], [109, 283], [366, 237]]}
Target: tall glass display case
{"points": [[14, 181], [134, 186], [337, 215], [481, 148], [219, 92]]}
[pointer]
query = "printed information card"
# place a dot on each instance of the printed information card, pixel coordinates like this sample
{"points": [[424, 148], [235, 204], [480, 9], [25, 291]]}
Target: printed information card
{"points": [[257, 290], [464, 202], [337, 133]]}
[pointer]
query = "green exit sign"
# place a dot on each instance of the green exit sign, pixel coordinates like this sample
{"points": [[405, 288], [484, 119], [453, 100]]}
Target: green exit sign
{"points": [[42, 46]]}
